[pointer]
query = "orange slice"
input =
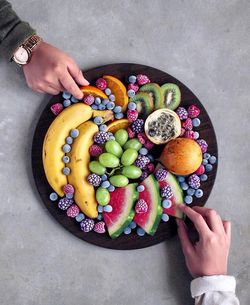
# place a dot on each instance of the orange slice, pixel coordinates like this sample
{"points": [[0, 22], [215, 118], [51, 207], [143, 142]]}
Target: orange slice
{"points": [[119, 91], [93, 91], [118, 124]]}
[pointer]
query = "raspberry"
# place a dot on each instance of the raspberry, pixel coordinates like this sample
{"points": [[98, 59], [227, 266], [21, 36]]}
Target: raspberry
{"points": [[131, 133], [73, 211], [142, 161], [87, 225], [101, 137], [142, 137], [101, 84], [88, 99], [142, 79], [182, 132], [194, 181], [100, 227], [56, 108], [182, 113], [161, 174], [150, 167], [193, 111], [134, 87], [137, 126], [132, 115], [200, 170], [68, 189], [189, 134], [187, 124], [94, 179], [95, 150], [203, 145], [166, 192], [141, 206], [64, 203], [148, 144]]}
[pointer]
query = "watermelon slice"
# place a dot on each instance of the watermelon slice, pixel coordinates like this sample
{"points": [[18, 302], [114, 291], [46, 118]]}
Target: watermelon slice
{"points": [[122, 201], [177, 197], [149, 220]]}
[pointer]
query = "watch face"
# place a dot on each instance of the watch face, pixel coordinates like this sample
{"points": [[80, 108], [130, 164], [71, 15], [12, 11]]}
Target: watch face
{"points": [[21, 55]]}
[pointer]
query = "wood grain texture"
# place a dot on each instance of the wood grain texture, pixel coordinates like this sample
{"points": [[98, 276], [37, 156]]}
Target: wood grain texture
{"points": [[132, 241]]}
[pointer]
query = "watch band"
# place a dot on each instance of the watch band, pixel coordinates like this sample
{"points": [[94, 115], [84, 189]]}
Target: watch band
{"points": [[31, 42]]}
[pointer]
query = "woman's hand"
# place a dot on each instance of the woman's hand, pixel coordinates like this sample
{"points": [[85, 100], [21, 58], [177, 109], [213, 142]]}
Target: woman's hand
{"points": [[51, 70], [209, 255]]}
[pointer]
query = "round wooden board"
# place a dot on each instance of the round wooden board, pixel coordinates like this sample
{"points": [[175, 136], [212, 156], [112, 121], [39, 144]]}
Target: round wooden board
{"points": [[131, 241]]}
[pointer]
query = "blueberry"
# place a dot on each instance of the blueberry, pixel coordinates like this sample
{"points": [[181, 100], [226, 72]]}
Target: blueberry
{"points": [[165, 217], [188, 199], [66, 148], [140, 188], [110, 105], [119, 115], [107, 91], [110, 134], [93, 106], [66, 171], [66, 95], [140, 232], [111, 188], [184, 186], [205, 162], [212, 160], [74, 133], [74, 99], [104, 177], [196, 122], [98, 120], [198, 193], [53, 196], [151, 158], [127, 230], [112, 97], [105, 101], [108, 208], [117, 109], [131, 106], [132, 225], [101, 107], [208, 168], [196, 135], [79, 217], [166, 203], [132, 79], [66, 103], [143, 151], [111, 138], [100, 208], [191, 191], [97, 101], [103, 127], [105, 184], [206, 156], [99, 217], [181, 179], [131, 93], [69, 196], [69, 140], [66, 159], [203, 177]]}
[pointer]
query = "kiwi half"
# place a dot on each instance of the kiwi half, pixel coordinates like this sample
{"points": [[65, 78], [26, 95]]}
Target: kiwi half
{"points": [[171, 96], [154, 90], [144, 103]]}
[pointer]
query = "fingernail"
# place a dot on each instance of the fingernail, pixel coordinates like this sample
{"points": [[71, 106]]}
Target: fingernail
{"points": [[86, 82]]}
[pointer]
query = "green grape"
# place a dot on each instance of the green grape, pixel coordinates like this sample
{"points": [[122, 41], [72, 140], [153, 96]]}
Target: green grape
{"points": [[131, 171], [97, 168], [102, 196], [109, 160], [119, 180], [114, 148], [129, 156], [121, 136], [133, 143]]}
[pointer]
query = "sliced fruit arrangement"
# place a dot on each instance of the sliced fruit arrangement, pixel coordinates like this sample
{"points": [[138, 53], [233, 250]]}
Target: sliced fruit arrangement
{"points": [[99, 156]]}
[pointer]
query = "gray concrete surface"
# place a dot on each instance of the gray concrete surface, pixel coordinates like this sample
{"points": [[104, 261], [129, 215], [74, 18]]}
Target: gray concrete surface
{"points": [[206, 45]]}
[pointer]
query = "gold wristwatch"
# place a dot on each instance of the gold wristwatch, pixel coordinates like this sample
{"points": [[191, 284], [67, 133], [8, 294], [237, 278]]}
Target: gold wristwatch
{"points": [[23, 53]]}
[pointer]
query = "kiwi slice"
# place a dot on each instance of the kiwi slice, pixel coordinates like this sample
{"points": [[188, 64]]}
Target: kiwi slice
{"points": [[171, 96], [144, 103], [154, 90]]}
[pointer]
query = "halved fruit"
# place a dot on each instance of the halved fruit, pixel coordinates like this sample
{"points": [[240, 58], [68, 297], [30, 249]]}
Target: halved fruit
{"points": [[144, 103], [122, 201], [150, 220], [119, 91], [171, 96], [93, 91], [154, 90], [118, 124]]}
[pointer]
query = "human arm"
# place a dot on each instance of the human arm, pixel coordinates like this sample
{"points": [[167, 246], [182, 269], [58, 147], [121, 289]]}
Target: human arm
{"points": [[206, 260]]}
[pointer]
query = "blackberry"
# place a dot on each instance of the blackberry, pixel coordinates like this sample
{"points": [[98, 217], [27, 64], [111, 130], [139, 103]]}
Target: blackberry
{"points": [[87, 225], [166, 192], [64, 203], [144, 175], [137, 126], [101, 137], [142, 161], [94, 179], [182, 113], [161, 174], [194, 181]]}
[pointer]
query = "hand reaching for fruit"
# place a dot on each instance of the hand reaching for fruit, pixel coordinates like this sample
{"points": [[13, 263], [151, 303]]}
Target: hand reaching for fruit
{"points": [[209, 255], [51, 70]]}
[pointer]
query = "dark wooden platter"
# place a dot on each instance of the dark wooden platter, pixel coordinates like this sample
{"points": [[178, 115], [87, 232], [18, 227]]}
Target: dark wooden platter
{"points": [[131, 241]]}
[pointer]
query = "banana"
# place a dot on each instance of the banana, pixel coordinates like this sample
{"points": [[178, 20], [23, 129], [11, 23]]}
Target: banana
{"points": [[84, 194], [107, 115], [69, 118]]}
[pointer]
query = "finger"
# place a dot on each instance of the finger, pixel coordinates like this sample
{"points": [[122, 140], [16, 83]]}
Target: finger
{"points": [[51, 90], [186, 244], [76, 73], [212, 218], [70, 86], [196, 218], [227, 227]]}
